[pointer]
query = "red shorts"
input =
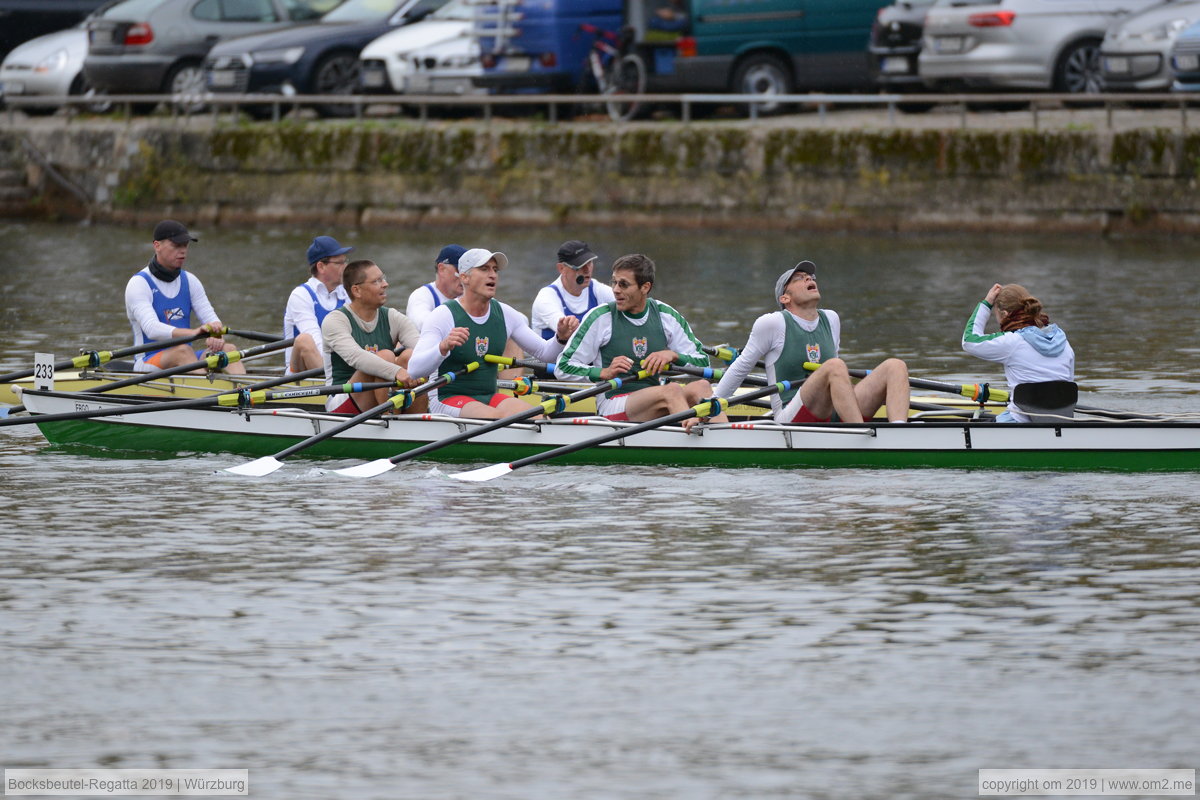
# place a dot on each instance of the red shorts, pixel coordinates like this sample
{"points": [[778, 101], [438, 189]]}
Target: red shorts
{"points": [[804, 416], [348, 407], [156, 359], [460, 400]]}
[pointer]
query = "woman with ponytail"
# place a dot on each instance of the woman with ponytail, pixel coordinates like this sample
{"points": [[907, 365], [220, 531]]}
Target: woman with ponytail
{"points": [[1031, 347]]}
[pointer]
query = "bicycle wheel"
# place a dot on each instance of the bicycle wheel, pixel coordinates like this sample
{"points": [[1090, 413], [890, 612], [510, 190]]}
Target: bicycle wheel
{"points": [[626, 76]]}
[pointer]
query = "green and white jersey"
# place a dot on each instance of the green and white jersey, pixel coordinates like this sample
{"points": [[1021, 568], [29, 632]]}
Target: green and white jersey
{"points": [[606, 333]]}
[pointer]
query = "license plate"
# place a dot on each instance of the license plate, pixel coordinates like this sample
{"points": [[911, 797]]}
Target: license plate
{"points": [[516, 64], [894, 65], [372, 78], [222, 79], [12, 87], [948, 44], [1116, 65], [1188, 63]]}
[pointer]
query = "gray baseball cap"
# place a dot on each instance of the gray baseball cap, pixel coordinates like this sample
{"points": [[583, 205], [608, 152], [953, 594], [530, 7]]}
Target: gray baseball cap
{"points": [[784, 279]]}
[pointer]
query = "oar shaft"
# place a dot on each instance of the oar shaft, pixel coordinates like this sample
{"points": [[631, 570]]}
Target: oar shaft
{"points": [[257, 336], [530, 363], [209, 362], [95, 358], [621, 433]]}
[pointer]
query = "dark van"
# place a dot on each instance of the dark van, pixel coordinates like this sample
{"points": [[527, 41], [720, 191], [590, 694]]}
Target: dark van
{"points": [[538, 45], [756, 46]]}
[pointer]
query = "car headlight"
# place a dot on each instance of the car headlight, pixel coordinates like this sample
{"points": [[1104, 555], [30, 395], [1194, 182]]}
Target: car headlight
{"points": [[458, 62], [1165, 31], [53, 62], [282, 55]]}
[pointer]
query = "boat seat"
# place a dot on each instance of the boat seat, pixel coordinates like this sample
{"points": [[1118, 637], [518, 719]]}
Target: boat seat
{"points": [[1047, 401]]}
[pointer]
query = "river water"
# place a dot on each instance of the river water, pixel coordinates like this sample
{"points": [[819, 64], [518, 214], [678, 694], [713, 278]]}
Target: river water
{"points": [[589, 632]]}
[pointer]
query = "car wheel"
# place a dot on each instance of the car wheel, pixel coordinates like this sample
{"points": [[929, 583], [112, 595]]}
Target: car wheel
{"points": [[99, 105], [187, 82], [336, 73], [1078, 70], [766, 75]]}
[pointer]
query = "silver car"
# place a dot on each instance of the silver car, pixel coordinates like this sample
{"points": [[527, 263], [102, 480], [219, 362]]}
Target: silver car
{"points": [[1136, 53], [1019, 44], [48, 66]]}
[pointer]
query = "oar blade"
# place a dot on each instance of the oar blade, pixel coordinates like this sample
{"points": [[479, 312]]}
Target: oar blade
{"points": [[367, 469], [258, 468], [483, 473]]}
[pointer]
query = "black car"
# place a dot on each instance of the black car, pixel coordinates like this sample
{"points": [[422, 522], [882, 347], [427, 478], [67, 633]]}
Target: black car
{"points": [[896, 43], [321, 58]]}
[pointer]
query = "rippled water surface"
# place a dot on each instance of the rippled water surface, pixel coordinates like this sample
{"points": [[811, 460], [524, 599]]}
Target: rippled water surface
{"points": [[588, 632]]}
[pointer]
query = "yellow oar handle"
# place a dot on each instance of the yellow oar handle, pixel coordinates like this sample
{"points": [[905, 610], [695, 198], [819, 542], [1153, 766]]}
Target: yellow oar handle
{"points": [[979, 392], [712, 407]]}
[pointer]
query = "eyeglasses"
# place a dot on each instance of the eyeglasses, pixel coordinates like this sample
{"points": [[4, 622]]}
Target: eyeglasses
{"points": [[621, 283], [373, 281], [341, 262]]}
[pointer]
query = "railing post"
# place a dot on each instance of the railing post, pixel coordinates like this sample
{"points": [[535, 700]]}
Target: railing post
{"points": [[686, 111]]}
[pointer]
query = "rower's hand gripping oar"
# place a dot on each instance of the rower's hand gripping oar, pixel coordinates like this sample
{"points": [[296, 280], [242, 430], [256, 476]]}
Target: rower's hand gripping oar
{"points": [[551, 405], [709, 408], [95, 358], [268, 464]]}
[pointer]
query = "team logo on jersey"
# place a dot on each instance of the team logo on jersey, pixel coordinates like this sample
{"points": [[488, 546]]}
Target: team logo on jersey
{"points": [[372, 348], [813, 352], [172, 314], [640, 347], [481, 346]]}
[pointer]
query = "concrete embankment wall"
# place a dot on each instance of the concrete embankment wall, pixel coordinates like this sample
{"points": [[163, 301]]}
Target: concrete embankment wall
{"points": [[712, 175]]}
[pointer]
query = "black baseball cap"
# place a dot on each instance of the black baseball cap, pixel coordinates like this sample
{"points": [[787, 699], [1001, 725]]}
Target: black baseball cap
{"points": [[172, 231], [575, 254]]}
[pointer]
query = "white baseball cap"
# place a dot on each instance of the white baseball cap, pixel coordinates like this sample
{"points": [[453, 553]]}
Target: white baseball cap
{"points": [[477, 257]]}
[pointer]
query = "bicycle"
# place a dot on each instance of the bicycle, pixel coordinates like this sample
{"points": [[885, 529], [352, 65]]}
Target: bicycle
{"points": [[616, 70]]}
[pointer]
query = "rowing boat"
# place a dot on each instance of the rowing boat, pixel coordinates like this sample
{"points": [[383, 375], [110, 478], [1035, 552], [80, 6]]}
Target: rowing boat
{"points": [[162, 388], [1133, 445]]}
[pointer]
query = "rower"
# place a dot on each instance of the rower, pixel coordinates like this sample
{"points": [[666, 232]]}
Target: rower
{"points": [[631, 332], [444, 286], [799, 332], [572, 293], [311, 301], [1039, 363], [364, 341], [476, 324], [161, 298]]}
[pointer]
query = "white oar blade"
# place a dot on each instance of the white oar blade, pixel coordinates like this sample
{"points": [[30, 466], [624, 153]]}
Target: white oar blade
{"points": [[368, 469], [483, 473], [256, 469]]}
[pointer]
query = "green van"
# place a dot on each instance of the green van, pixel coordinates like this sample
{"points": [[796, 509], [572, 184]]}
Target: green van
{"points": [[754, 46]]}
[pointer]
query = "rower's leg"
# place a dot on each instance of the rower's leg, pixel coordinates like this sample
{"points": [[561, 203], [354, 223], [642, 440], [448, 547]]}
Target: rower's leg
{"points": [[887, 383], [829, 390]]}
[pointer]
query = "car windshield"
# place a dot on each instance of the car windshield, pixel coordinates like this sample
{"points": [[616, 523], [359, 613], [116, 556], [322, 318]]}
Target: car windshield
{"points": [[455, 9], [362, 11]]}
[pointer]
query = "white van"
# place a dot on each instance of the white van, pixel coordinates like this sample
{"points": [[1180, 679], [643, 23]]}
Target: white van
{"points": [[434, 56]]}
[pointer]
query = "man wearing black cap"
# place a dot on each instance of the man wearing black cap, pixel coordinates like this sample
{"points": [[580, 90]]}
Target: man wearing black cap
{"points": [[309, 302], [445, 286], [160, 299], [573, 293], [800, 332]]}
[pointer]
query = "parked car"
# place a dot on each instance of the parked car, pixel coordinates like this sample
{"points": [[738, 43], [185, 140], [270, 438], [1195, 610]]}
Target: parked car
{"points": [[321, 58], [537, 45], [25, 20], [437, 55], [158, 46], [896, 44], [1136, 53], [1019, 44], [1185, 60], [48, 66]]}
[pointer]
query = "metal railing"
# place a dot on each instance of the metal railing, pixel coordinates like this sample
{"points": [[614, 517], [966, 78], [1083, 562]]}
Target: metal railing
{"points": [[276, 107]]}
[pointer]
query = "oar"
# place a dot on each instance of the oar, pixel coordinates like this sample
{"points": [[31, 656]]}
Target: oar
{"points": [[531, 363], [551, 405], [708, 408], [212, 362], [257, 336], [95, 358], [268, 464], [254, 394]]}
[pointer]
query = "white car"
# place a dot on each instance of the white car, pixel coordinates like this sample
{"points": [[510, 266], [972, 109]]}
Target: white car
{"points": [[1136, 53], [48, 66], [434, 56]]}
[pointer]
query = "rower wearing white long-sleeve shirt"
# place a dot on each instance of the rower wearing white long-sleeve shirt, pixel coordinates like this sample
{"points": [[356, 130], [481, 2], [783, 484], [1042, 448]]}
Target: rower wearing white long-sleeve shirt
{"points": [[801, 332], [1032, 349], [161, 298], [311, 301], [464, 330]]}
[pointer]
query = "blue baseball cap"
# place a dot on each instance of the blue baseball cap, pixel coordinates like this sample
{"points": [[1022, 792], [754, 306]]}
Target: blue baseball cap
{"points": [[450, 255], [324, 247]]}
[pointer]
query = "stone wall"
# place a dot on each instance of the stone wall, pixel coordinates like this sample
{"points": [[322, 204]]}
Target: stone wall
{"points": [[710, 175]]}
